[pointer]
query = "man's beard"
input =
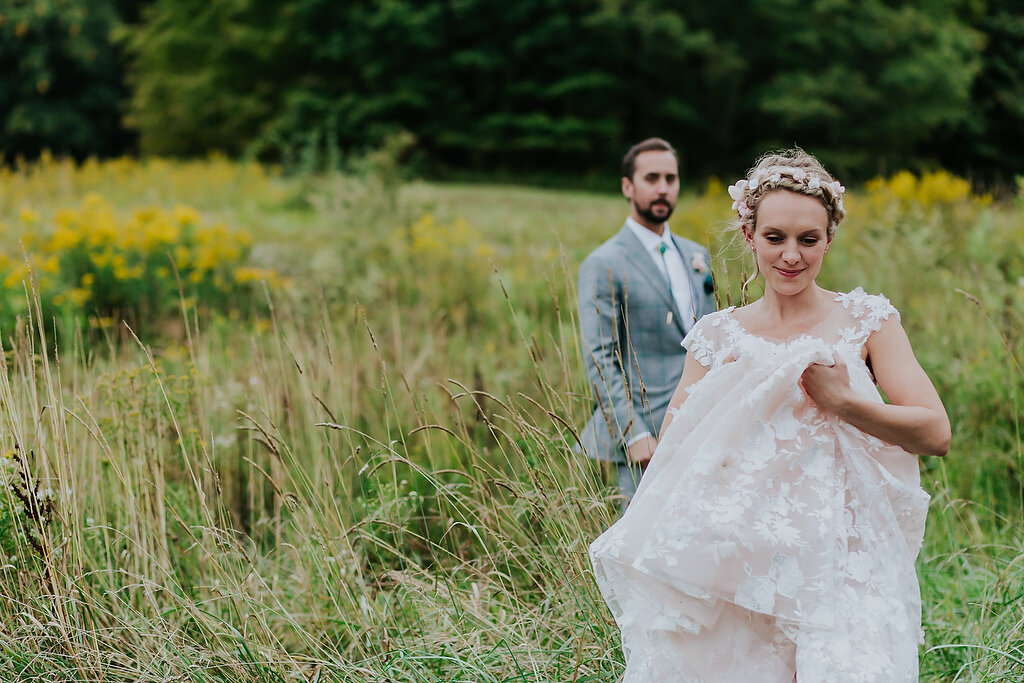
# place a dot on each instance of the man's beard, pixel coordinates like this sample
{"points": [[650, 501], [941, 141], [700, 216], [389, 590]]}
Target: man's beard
{"points": [[649, 215]]}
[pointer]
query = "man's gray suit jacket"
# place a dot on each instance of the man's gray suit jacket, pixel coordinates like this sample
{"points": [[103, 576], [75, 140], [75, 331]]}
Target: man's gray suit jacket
{"points": [[632, 330]]}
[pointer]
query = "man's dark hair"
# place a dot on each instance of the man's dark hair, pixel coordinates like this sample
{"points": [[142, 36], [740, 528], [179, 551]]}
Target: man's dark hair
{"points": [[648, 145]]}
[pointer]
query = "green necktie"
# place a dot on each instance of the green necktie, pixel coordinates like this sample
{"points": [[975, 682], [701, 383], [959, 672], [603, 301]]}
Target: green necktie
{"points": [[662, 248]]}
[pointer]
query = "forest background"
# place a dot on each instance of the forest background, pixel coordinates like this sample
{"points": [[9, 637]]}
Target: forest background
{"points": [[535, 88], [291, 375]]}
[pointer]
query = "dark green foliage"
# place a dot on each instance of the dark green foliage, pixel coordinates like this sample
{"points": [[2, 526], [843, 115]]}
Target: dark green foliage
{"points": [[60, 79], [992, 135], [208, 75], [871, 89], [477, 84], [550, 87], [561, 85]]}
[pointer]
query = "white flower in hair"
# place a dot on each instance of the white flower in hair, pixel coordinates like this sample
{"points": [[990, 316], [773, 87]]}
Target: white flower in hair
{"points": [[736, 191], [745, 186]]}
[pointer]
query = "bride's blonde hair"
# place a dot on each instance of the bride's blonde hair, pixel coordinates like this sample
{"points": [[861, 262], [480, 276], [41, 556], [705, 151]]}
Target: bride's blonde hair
{"points": [[791, 169]]}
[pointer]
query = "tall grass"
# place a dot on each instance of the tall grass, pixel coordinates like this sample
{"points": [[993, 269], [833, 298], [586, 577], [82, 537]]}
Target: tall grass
{"points": [[378, 482]]}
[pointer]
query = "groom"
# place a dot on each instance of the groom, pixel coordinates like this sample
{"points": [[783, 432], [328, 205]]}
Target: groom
{"points": [[639, 293]]}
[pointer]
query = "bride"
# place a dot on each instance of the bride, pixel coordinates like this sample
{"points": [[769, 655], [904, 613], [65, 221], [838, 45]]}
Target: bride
{"points": [[774, 534]]}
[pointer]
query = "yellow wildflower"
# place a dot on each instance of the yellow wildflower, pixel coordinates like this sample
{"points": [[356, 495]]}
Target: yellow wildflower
{"points": [[903, 185], [185, 215], [182, 256], [942, 188], [29, 217], [79, 297], [146, 214], [244, 274], [16, 276], [100, 259], [64, 239], [51, 264]]}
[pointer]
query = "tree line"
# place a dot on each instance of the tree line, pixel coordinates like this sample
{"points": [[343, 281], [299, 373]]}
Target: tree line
{"points": [[553, 86]]}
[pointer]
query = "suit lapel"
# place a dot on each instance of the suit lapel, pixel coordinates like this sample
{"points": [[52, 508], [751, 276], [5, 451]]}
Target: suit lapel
{"points": [[696, 279], [637, 256], [641, 261]]}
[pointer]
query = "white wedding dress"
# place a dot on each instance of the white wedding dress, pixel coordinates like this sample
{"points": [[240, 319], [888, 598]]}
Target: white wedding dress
{"points": [[767, 539]]}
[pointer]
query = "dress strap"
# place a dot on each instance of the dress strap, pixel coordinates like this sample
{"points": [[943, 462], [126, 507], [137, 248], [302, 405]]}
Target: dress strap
{"points": [[705, 339], [868, 310]]}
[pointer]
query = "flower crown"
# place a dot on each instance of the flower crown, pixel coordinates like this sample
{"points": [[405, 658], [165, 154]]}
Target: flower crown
{"points": [[739, 191]]}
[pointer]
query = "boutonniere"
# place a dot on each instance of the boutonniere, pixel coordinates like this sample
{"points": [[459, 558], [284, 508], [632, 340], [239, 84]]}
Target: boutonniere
{"points": [[698, 263], [701, 266]]}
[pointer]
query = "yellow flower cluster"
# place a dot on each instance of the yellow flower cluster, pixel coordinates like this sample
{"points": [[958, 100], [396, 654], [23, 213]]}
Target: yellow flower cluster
{"points": [[95, 260], [452, 263], [940, 188], [879, 199], [427, 236], [939, 199], [49, 181], [881, 196]]}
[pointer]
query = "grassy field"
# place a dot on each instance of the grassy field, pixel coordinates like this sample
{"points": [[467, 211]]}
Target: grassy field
{"points": [[364, 471]]}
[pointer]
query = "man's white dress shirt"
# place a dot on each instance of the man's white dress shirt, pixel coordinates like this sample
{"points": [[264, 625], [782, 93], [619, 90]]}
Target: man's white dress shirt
{"points": [[670, 263], [671, 266]]}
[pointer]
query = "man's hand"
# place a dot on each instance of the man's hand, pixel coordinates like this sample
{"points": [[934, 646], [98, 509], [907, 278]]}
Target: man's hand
{"points": [[640, 452]]}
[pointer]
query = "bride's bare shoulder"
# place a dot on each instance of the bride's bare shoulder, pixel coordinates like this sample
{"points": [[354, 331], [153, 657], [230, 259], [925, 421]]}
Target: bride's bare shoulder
{"points": [[747, 313]]}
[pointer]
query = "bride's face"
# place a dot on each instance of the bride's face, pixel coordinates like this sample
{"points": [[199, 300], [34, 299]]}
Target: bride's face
{"points": [[790, 240]]}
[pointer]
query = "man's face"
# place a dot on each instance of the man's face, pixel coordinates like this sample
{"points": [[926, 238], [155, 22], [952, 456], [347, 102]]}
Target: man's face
{"points": [[654, 188]]}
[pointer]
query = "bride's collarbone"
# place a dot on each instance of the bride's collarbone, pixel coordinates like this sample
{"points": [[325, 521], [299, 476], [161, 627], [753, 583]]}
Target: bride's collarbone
{"points": [[761, 323]]}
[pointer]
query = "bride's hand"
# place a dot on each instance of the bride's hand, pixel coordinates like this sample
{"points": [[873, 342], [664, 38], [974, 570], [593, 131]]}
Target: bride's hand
{"points": [[828, 385]]}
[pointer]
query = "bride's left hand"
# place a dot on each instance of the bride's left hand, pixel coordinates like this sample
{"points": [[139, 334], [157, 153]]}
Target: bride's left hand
{"points": [[827, 385]]}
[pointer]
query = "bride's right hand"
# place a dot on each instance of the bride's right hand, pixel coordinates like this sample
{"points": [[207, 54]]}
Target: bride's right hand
{"points": [[828, 385]]}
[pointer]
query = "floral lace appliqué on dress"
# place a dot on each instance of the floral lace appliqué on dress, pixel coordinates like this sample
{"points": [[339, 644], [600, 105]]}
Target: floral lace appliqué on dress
{"points": [[767, 538]]}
